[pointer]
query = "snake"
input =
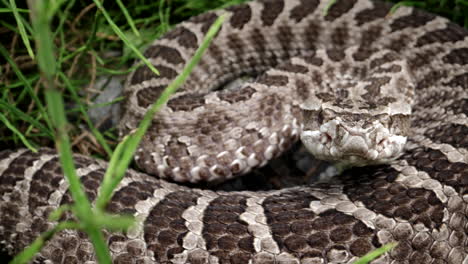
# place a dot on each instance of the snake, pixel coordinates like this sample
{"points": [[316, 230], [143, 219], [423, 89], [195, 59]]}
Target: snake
{"points": [[383, 94]]}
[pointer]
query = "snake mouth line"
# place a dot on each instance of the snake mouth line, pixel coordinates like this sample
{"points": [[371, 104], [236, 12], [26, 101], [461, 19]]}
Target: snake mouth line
{"points": [[354, 149]]}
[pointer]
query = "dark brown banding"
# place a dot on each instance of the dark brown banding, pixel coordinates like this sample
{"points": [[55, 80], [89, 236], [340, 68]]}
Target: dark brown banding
{"points": [[165, 228], [185, 37], [416, 19], [336, 54], [236, 44], [339, 36], [312, 34], [453, 134], [301, 232], [380, 10], [149, 95], [436, 164], [44, 182], [125, 199], [144, 73], [458, 80], [388, 57], [216, 53], [314, 60], [339, 8], [457, 56], [207, 19], [305, 8], [393, 68], [235, 96], [400, 43], [169, 54], [285, 36], [273, 80], [452, 33], [16, 170], [91, 181], [379, 191], [422, 58], [369, 36], [290, 67], [431, 78], [227, 236], [459, 106], [271, 10], [241, 15], [257, 40], [186, 102], [373, 89]]}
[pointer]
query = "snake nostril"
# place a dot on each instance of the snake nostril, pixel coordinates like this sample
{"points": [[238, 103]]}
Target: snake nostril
{"points": [[382, 142], [325, 138]]}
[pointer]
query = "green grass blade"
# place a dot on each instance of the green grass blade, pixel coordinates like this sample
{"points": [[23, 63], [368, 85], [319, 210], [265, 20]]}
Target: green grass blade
{"points": [[4, 106], [42, 15], [131, 144], [27, 84], [22, 30], [28, 253], [99, 137], [128, 17], [17, 132], [124, 38], [376, 253]]}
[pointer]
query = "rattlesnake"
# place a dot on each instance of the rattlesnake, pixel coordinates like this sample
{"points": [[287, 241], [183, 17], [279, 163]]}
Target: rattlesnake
{"points": [[418, 199]]}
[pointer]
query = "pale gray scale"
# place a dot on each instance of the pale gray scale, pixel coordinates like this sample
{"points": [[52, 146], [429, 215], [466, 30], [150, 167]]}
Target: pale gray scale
{"points": [[14, 206], [387, 229]]}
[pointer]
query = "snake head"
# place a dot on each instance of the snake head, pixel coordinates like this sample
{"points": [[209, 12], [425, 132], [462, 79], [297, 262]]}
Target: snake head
{"points": [[354, 139]]}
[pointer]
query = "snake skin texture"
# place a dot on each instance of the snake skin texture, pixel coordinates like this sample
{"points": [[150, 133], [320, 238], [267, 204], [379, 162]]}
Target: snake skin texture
{"points": [[419, 200]]}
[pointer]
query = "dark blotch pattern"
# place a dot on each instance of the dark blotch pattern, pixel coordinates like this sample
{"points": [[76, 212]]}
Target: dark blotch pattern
{"points": [[236, 44], [459, 80], [144, 73], [169, 54], [273, 80], [226, 235], [290, 67], [436, 164], [46, 180], [148, 96], [416, 19], [186, 102], [271, 10], [91, 181], [373, 89], [311, 34], [452, 33], [207, 19], [165, 228], [305, 8], [301, 232], [241, 15], [452, 134], [339, 8], [379, 191], [378, 11], [15, 170], [457, 56], [185, 37], [124, 200], [237, 95]]}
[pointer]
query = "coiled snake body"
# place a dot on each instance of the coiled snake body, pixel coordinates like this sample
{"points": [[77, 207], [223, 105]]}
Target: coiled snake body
{"points": [[366, 67]]}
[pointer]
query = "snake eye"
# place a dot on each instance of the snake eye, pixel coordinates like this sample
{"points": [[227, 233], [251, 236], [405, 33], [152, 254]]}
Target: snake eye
{"points": [[312, 119]]}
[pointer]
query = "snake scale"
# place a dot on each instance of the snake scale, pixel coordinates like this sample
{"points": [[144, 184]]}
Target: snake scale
{"points": [[418, 199]]}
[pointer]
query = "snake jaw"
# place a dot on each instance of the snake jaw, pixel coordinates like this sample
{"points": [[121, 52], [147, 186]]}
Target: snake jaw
{"points": [[354, 146]]}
